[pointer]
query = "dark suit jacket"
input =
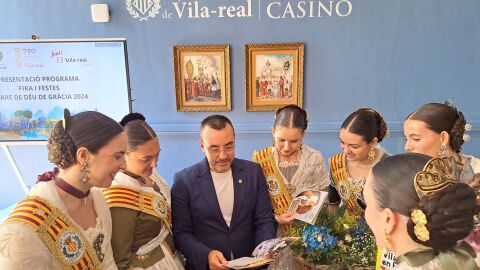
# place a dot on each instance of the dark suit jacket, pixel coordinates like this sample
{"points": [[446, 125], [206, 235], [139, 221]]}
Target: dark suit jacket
{"points": [[198, 223]]}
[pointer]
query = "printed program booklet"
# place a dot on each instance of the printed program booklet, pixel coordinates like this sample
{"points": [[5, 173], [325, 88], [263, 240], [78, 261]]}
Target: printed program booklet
{"points": [[307, 203]]}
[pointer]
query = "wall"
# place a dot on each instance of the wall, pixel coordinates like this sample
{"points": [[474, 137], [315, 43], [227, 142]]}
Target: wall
{"points": [[388, 54]]}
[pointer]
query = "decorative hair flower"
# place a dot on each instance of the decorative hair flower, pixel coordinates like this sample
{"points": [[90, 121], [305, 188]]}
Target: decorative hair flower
{"points": [[388, 133], [468, 127], [466, 137], [420, 220]]}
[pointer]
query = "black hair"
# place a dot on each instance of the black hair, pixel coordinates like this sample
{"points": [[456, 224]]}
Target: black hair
{"points": [[216, 121], [137, 130], [90, 129], [440, 117], [291, 116], [367, 123]]}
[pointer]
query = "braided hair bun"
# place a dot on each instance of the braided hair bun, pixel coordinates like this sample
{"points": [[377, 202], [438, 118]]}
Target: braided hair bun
{"points": [[61, 148], [89, 129], [449, 214]]}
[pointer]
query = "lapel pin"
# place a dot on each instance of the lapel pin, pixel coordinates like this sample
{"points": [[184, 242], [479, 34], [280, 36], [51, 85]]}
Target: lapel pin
{"points": [[240, 181]]}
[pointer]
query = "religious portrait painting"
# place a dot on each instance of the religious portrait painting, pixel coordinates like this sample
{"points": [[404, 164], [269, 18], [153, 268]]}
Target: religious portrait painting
{"points": [[202, 77], [274, 75]]}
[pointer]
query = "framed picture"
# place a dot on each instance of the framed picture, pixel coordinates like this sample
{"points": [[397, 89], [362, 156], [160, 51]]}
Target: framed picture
{"points": [[274, 75], [202, 78]]}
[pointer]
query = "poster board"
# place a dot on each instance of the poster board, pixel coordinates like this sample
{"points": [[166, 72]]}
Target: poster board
{"points": [[39, 78]]}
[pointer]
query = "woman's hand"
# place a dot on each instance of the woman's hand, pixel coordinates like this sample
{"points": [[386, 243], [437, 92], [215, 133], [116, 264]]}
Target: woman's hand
{"points": [[285, 218]]}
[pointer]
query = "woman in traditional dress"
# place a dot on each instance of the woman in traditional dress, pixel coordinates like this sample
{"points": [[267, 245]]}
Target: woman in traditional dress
{"points": [[438, 130], [360, 135], [139, 200], [64, 222], [289, 167], [419, 211]]}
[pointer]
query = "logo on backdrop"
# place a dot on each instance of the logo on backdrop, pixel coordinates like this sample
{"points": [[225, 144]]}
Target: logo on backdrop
{"points": [[143, 9]]}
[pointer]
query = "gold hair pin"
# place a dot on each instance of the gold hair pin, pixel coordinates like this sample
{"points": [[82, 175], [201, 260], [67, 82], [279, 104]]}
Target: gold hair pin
{"points": [[420, 220]]}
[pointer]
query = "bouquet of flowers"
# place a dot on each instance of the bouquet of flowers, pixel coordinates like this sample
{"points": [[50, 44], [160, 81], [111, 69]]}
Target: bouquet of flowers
{"points": [[336, 241]]}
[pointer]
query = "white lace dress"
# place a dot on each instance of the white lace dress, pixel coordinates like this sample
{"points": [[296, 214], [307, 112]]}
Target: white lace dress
{"points": [[308, 172], [21, 248]]}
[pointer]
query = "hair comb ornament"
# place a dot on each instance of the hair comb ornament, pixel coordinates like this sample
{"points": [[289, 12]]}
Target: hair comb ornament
{"points": [[368, 109], [437, 174], [66, 117], [450, 104]]}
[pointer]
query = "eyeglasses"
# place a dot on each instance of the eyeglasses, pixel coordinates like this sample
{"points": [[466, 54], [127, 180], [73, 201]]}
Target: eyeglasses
{"points": [[218, 150]]}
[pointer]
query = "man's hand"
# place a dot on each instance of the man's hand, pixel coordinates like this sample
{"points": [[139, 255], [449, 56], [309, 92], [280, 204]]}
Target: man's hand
{"points": [[216, 261], [285, 218]]}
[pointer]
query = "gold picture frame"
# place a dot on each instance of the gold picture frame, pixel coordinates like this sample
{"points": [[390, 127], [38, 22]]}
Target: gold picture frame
{"points": [[202, 78], [274, 75]]}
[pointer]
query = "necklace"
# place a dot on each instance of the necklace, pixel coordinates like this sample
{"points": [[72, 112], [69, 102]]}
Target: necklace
{"points": [[63, 185]]}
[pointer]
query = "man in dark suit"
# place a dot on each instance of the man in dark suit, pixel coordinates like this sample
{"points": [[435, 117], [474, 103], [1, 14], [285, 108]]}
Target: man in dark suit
{"points": [[220, 206]]}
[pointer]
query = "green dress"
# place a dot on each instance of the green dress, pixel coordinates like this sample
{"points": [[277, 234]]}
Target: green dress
{"points": [[460, 257]]}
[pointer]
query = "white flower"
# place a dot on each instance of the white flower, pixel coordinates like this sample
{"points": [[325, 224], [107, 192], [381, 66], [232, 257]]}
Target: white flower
{"points": [[466, 137], [319, 238], [348, 238], [468, 127]]}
